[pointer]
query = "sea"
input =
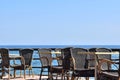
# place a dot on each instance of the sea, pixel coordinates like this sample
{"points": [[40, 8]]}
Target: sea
{"points": [[36, 63]]}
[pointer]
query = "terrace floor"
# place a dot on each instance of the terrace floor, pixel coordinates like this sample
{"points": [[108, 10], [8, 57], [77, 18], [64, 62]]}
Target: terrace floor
{"points": [[36, 77]]}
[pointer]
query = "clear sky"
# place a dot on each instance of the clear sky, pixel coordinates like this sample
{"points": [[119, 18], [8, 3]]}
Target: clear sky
{"points": [[59, 22]]}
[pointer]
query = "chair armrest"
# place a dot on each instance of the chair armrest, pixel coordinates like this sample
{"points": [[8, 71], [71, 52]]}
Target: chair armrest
{"points": [[15, 57], [73, 60], [109, 62], [108, 73], [23, 60]]}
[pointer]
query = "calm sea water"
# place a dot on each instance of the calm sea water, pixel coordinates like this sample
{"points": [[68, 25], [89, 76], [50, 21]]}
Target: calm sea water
{"points": [[35, 55], [58, 46]]}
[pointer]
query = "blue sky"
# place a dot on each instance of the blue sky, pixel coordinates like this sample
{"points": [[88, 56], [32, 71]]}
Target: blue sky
{"points": [[59, 22]]}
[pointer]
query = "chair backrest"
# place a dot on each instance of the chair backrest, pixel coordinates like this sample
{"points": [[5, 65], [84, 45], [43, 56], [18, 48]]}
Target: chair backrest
{"points": [[91, 57], [27, 54], [104, 56], [79, 57], [5, 57], [92, 50], [45, 56], [66, 58]]}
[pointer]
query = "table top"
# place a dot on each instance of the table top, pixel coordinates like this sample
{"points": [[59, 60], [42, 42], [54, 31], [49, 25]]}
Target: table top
{"points": [[114, 52], [57, 52]]}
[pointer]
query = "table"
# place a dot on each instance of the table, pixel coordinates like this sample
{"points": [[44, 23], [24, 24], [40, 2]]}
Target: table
{"points": [[56, 52]]}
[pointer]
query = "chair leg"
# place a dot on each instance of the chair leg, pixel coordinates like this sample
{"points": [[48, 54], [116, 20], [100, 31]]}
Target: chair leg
{"points": [[62, 77], [73, 78], [63, 74], [29, 72], [67, 76], [3, 71], [56, 76], [87, 78], [49, 74], [20, 73], [8, 73], [0, 77], [32, 74], [77, 78], [32, 71], [14, 73], [41, 74], [119, 78], [24, 74]]}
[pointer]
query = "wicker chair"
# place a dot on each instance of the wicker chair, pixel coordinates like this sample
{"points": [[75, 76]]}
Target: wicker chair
{"points": [[27, 55], [67, 62], [45, 59], [108, 74], [91, 58], [79, 57], [64, 64], [46, 62], [6, 62], [105, 72]]}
